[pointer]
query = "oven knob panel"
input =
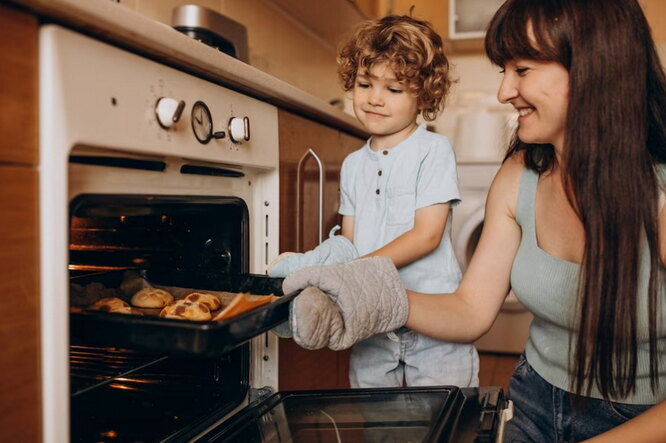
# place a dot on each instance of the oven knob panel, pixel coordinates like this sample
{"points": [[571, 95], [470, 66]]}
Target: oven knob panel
{"points": [[168, 111], [239, 129]]}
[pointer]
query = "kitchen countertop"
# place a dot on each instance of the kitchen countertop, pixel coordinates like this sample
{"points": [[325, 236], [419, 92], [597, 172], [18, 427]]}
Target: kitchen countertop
{"points": [[127, 28]]}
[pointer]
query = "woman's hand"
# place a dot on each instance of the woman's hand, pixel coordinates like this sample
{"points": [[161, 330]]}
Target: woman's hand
{"points": [[346, 303]]}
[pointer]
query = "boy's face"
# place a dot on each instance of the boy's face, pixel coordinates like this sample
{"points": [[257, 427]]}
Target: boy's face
{"points": [[384, 105]]}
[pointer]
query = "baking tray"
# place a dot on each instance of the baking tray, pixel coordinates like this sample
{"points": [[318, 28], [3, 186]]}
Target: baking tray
{"points": [[205, 339]]}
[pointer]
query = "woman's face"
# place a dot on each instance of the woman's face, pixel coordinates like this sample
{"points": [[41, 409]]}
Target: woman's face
{"points": [[540, 93]]}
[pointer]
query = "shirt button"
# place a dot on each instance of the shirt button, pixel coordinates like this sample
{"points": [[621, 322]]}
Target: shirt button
{"points": [[379, 172], [377, 192], [385, 152]]}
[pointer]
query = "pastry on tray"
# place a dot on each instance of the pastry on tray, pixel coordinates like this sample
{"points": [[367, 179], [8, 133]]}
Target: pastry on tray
{"points": [[207, 299], [151, 298], [113, 305], [186, 310]]}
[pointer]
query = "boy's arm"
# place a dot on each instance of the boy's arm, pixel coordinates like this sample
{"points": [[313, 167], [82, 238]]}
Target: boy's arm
{"points": [[421, 240], [348, 227]]}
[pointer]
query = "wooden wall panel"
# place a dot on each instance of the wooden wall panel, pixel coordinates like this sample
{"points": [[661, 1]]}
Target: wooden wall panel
{"points": [[18, 86], [20, 383], [20, 398]]}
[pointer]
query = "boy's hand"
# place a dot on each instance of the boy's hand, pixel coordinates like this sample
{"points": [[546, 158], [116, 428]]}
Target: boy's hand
{"points": [[346, 303], [335, 249]]}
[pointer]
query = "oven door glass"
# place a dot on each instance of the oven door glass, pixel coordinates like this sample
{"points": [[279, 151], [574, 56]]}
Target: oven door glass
{"points": [[429, 414]]}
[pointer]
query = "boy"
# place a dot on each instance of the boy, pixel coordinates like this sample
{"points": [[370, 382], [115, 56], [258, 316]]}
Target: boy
{"points": [[396, 196]]}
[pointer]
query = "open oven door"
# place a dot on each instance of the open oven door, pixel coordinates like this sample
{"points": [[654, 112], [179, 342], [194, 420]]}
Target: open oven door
{"points": [[426, 414]]}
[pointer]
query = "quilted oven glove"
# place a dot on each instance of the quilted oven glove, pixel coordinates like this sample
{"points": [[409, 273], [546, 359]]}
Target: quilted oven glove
{"points": [[333, 250], [343, 304]]}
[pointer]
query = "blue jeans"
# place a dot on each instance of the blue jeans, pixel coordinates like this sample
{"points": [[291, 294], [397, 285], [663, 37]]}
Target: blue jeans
{"points": [[544, 413], [385, 360]]}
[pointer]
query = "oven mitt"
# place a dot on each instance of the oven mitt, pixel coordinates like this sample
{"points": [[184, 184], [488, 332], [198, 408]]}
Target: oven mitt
{"points": [[343, 304], [335, 249]]}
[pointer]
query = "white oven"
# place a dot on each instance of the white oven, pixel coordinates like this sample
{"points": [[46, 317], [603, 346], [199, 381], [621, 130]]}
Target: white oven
{"points": [[107, 127]]}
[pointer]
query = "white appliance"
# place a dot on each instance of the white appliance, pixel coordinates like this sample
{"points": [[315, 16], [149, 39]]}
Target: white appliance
{"points": [[99, 102]]}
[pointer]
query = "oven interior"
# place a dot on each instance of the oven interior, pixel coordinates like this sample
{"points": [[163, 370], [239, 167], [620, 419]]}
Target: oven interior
{"points": [[150, 379]]}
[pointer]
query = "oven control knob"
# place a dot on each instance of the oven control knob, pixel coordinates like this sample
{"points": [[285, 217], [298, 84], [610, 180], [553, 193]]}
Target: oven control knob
{"points": [[239, 129], [168, 111]]}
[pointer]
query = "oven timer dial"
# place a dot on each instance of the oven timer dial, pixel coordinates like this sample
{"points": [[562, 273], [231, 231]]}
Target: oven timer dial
{"points": [[168, 111], [202, 122], [239, 129]]}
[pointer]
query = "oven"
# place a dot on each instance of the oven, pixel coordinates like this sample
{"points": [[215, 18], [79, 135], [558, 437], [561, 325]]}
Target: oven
{"points": [[152, 177]]}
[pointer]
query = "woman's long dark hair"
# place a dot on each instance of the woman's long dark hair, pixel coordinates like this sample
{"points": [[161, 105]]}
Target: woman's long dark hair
{"points": [[615, 137]]}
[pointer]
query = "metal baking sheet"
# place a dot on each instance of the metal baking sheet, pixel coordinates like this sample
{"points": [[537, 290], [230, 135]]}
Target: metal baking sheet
{"points": [[206, 339]]}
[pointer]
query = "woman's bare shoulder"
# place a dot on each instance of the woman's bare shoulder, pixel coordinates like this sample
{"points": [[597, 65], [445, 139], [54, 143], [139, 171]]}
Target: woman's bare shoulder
{"points": [[505, 186], [510, 172], [514, 164]]}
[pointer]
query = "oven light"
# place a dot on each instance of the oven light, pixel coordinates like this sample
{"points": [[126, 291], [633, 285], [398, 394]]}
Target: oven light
{"points": [[109, 434], [123, 387]]}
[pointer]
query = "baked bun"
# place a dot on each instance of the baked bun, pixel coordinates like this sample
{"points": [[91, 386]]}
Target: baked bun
{"points": [[111, 304], [211, 301], [151, 298], [187, 310]]}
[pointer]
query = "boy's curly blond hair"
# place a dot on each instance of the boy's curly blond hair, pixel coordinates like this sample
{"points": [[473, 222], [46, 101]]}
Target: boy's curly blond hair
{"points": [[411, 48]]}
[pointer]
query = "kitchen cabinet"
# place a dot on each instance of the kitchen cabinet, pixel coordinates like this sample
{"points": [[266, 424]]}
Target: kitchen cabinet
{"points": [[655, 11], [19, 285], [310, 158], [18, 87], [20, 418], [435, 12]]}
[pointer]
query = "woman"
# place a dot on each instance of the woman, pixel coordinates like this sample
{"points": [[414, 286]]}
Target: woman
{"points": [[575, 225]]}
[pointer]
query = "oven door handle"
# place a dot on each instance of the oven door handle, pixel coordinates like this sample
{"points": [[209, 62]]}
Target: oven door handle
{"points": [[309, 153]]}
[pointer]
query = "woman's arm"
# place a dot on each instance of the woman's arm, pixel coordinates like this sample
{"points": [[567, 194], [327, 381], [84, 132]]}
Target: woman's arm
{"points": [[468, 313], [649, 427]]}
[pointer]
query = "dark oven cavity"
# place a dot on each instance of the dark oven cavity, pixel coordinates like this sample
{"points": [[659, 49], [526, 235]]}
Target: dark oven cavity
{"points": [[124, 394]]}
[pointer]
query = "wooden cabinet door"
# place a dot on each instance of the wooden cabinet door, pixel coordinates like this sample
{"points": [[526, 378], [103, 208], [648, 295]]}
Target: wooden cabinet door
{"points": [[19, 285], [18, 86], [20, 385], [309, 176], [310, 158]]}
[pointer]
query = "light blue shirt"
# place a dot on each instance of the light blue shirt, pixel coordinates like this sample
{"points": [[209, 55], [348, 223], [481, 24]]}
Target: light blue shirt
{"points": [[382, 191]]}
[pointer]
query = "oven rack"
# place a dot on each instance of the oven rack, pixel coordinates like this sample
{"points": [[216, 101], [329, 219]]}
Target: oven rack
{"points": [[91, 367]]}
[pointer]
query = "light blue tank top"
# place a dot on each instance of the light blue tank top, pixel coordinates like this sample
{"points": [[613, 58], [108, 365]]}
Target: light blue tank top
{"points": [[547, 286]]}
